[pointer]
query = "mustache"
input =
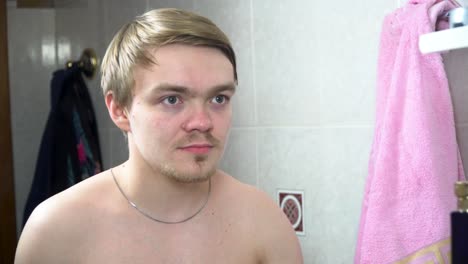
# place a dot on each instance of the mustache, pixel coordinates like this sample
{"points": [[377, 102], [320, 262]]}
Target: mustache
{"points": [[199, 137]]}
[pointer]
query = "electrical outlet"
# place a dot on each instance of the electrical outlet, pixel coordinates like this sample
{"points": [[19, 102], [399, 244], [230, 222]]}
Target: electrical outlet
{"points": [[292, 204]]}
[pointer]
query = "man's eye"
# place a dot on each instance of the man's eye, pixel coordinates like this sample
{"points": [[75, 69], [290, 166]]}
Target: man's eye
{"points": [[220, 99], [172, 100]]}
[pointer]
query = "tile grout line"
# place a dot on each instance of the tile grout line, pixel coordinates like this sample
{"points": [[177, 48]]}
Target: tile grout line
{"points": [[254, 84]]}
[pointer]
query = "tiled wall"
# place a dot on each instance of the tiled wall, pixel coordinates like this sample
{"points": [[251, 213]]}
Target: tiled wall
{"points": [[304, 111], [31, 52]]}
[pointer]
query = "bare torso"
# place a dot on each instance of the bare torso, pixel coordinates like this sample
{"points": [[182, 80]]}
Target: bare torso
{"points": [[144, 241], [99, 226]]}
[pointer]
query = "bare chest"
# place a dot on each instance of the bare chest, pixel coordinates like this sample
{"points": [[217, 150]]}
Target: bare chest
{"points": [[124, 242]]}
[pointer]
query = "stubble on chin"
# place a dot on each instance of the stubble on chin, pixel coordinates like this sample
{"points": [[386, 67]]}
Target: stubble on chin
{"points": [[199, 174], [203, 168]]}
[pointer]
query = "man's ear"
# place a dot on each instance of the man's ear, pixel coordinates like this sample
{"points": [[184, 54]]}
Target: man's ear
{"points": [[117, 113]]}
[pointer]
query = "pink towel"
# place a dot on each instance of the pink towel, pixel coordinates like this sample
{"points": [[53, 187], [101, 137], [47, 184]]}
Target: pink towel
{"points": [[414, 161]]}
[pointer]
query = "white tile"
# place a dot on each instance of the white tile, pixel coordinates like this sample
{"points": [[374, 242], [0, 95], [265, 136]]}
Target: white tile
{"points": [[182, 4], [118, 147], [115, 14], [316, 60], [139, 4], [285, 44], [104, 145], [347, 55], [456, 63], [70, 3], [34, 34], [25, 153], [240, 157], [330, 166], [234, 19], [77, 28], [344, 157], [31, 54], [288, 158]]}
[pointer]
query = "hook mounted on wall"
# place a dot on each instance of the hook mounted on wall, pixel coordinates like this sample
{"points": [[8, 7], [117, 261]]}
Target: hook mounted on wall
{"points": [[88, 63], [455, 37]]}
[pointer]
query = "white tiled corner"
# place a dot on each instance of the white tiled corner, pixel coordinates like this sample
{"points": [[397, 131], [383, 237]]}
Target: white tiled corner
{"points": [[234, 18], [240, 157], [456, 64], [286, 71]]}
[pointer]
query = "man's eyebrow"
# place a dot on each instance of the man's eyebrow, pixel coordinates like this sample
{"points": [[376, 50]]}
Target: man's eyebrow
{"points": [[231, 87], [166, 87]]}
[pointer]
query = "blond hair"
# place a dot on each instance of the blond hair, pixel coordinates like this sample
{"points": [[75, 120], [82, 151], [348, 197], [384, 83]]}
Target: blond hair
{"points": [[152, 30]]}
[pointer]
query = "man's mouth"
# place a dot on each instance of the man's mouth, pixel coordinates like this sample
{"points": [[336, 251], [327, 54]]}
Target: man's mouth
{"points": [[197, 148]]}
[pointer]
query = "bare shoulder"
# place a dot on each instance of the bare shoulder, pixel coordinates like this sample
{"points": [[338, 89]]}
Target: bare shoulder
{"points": [[275, 236], [58, 222], [251, 200]]}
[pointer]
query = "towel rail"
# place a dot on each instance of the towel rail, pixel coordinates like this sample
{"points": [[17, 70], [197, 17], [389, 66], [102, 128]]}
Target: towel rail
{"points": [[88, 63]]}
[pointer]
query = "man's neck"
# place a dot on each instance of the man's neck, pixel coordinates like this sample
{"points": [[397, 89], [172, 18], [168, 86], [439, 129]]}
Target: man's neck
{"points": [[158, 195]]}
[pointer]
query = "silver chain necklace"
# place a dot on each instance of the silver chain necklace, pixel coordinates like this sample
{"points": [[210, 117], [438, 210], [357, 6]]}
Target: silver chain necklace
{"points": [[157, 220]]}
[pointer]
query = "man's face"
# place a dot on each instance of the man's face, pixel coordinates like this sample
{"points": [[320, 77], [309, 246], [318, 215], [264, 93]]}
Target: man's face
{"points": [[181, 112]]}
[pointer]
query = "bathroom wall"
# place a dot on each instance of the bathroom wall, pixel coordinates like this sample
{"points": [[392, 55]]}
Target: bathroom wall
{"points": [[303, 114], [32, 59]]}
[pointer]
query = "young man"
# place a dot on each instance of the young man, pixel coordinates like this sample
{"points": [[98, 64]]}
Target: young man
{"points": [[168, 78]]}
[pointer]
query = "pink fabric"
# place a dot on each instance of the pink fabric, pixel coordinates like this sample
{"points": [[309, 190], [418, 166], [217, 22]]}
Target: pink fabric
{"points": [[414, 160]]}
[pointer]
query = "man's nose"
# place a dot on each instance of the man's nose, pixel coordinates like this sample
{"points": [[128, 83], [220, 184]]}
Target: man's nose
{"points": [[199, 119]]}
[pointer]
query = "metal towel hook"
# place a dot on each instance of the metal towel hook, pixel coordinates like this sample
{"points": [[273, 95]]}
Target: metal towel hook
{"points": [[88, 63], [458, 17]]}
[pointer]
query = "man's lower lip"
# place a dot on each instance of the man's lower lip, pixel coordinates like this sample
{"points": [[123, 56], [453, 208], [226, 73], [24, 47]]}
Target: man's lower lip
{"points": [[197, 150]]}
